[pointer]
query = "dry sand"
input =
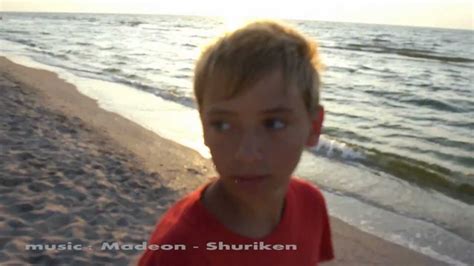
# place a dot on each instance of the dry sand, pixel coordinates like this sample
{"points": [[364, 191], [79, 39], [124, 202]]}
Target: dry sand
{"points": [[72, 172]]}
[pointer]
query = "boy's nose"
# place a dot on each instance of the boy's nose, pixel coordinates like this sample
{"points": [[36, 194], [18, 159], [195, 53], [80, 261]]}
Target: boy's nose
{"points": [[249, 149]]}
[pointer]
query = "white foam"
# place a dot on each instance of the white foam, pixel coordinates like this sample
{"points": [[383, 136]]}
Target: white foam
{"points": [[429, 240], [333, 148]]}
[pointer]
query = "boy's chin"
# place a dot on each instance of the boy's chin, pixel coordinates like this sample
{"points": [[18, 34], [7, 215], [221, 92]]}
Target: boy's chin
{"points": [[254, 186]]}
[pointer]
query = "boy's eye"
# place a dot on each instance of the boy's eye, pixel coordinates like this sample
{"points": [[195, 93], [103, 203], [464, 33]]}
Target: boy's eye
{"points": [[220, 125], [274, 123]]}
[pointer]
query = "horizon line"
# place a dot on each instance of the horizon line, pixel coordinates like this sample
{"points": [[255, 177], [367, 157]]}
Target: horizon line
{"points": [[219, 16]]}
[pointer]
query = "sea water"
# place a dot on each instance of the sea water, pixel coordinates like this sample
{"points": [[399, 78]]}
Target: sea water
{"points": [[397, 153]]}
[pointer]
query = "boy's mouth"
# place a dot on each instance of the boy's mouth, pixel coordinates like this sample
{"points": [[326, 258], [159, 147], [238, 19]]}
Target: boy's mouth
{"points": [[249, 179]]}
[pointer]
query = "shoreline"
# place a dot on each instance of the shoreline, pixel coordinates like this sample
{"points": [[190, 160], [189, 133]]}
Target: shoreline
{"points": [[178, 169]]}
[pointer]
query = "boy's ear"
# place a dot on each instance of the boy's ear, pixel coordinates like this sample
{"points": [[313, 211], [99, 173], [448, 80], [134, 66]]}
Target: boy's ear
{"points": [[203, 133], [317, 124]]}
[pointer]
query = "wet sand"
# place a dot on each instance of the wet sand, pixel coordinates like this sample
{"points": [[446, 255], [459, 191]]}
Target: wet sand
{"points": [[72, 172]]}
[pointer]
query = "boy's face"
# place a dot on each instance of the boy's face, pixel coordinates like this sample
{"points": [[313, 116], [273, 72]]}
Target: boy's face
{"points": [[256, 138]]}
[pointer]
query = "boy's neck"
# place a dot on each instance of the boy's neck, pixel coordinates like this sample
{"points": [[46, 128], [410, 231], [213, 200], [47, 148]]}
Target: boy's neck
{"points": [[253, 218]]}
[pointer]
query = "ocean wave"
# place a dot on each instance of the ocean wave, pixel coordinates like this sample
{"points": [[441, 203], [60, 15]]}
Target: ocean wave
{"points": [[345, 134], [84, 43], [150, 69], [69, 17], [404, 132], [121, 58], [425, 175], [364, 67], [17, 31], [466, 104], [412, 53], [106, 48], [342, 68], [335, 149], [118, 74], [449, 142], [422, 54], [393, 125], [132, 76], [418, 101], [112, 70], [458, 155], [190, 45], [433, 104], [377, 39], [425, 84], [347, 115], [461, 124], [132, 23], [185, 69], [165, 93], [182, 76], [180, 25], [51, 54], [383, 93], [25, 42]]}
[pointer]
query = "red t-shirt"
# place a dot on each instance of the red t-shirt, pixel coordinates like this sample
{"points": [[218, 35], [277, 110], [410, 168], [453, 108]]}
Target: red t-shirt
{"points": [[301, 238]]}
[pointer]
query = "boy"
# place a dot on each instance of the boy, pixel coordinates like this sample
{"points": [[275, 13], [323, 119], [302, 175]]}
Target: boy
{"points": [[257, 91]]}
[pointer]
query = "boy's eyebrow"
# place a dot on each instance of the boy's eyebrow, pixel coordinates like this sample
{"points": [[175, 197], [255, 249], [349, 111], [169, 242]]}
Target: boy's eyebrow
{"points": [[218, 111], [278, 109]]}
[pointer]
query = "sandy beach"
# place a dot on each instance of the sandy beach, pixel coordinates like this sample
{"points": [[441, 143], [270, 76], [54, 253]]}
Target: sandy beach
{"points": [[74, 173]]}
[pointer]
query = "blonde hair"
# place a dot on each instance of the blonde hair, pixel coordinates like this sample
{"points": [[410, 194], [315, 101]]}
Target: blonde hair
{"points": [[240, 58]]}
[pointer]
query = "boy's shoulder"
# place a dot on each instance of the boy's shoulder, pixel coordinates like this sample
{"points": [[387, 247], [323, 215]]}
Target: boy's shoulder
{"points": [[307, 200], [306, 190], [177, 227]]}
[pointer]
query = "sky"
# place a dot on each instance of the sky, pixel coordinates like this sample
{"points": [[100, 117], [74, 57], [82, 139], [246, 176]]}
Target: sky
{"points": [[425, 13]]}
